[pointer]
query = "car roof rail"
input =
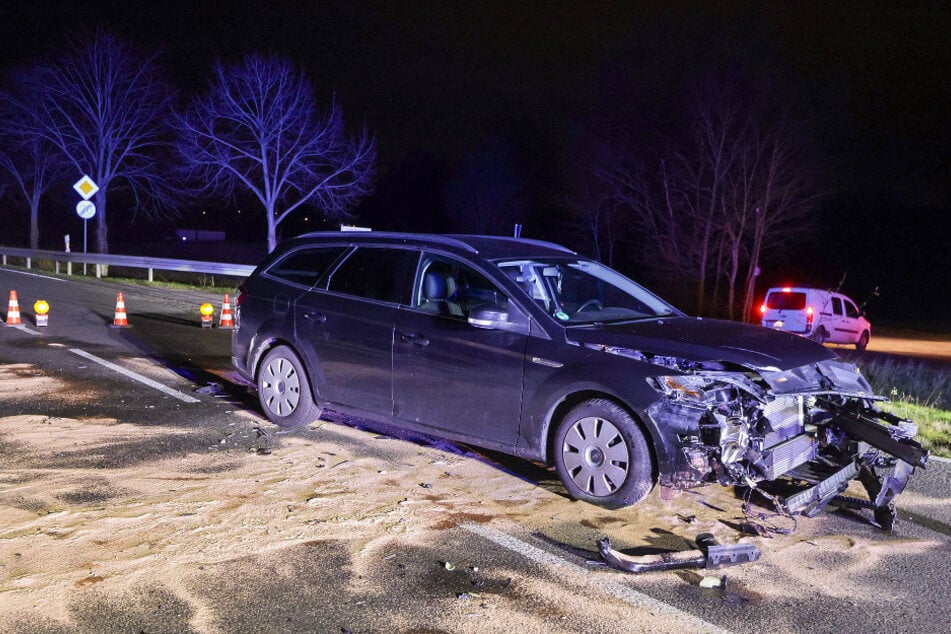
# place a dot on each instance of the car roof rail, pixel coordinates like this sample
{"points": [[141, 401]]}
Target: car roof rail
{"points": [[460, 241], [532, 241], [431, 238]]}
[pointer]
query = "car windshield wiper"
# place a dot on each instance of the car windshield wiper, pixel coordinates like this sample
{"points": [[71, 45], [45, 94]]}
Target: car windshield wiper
{"points": [[611, 322]]}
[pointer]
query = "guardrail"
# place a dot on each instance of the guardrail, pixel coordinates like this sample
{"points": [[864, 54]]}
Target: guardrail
{"points": [[130, 261]]}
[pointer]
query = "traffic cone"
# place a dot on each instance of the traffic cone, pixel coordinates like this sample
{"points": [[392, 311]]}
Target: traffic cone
{"points": [[226, 321], [121, 320], [13, 311]]}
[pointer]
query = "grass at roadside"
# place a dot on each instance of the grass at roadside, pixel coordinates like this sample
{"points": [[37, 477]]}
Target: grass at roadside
{"points": [[934, 425], [178, 280], [919, 392], [210, 287]]}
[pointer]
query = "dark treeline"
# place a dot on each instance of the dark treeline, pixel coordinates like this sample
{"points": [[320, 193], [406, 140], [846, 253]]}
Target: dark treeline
{"points": [[707, 158]]}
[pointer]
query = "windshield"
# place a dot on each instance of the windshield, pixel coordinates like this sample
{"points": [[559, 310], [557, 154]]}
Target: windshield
{"points": [[584, 292]]}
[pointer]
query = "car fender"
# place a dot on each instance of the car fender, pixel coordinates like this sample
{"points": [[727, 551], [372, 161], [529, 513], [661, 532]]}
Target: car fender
{"points": [[620, 380]]}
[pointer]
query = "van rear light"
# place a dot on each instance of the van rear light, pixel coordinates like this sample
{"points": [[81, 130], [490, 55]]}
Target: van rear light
{"points": [[810, 315], [762, 309], [242, 295]]}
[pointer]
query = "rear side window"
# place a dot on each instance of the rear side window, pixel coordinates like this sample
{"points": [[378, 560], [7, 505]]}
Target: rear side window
{"points": [[306, 266], [786, 301], [373, 273], [836, 305]]}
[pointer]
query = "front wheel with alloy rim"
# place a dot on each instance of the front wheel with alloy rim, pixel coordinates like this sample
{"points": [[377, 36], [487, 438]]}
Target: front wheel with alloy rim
{"points": [[284, 391], [602, 456]]}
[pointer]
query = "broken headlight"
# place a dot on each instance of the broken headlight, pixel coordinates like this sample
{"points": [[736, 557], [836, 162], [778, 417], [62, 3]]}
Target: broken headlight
{"points": [[720, 411], [706, 388]]}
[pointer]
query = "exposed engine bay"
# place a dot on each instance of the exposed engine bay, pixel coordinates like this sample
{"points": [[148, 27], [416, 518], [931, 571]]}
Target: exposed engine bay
{"points": [[817, 425]]}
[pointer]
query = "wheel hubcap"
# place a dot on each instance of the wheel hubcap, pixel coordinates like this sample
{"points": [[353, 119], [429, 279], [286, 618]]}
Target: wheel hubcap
{"points": [[595, 455], [280, 387]]}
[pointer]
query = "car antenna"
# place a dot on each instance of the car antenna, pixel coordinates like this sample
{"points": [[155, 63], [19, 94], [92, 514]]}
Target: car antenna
{"points": [[874, 293], [838, 289]]}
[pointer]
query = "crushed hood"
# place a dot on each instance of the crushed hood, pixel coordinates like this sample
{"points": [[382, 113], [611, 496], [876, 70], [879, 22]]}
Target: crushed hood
{"points": [[829, 376], [708, 340]]}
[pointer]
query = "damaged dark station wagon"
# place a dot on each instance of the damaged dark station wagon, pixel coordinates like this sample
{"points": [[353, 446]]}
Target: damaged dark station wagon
{"points": [[527, 348]]}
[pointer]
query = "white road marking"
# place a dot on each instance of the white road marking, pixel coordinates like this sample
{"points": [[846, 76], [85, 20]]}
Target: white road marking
{"points": [[136, 376], [615, 589], [45, 277], [24, 328]]}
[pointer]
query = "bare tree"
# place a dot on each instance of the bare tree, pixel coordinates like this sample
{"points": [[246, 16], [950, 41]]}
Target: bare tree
{"points": [[28, 158], [788, 193], [731, 184], [602, 190], [719, 123], [107, 111], [259, 128], [488, 194]]}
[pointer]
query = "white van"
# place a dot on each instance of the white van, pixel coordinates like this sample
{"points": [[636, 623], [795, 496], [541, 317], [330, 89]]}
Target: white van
{"points": [[823, 316]]}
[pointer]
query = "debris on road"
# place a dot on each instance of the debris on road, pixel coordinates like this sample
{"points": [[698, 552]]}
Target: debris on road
{"points": [[714, 582], [710, 554], [211, 388]]}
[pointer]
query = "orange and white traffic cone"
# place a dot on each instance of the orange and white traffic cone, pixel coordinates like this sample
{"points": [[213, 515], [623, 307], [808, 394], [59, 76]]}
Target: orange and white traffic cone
{"points": [[13, 310], [121, 319], [226, 321]]}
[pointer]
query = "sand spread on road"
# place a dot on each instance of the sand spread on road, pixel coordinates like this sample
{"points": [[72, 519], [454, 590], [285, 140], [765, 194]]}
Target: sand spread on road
{"points": [[97, 511]]}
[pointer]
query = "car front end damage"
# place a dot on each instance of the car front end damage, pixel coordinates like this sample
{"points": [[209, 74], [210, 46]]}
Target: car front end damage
{"points": [[817, 425]]}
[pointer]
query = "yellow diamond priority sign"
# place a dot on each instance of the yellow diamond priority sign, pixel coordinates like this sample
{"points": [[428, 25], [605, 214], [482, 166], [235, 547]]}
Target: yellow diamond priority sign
{"points": [[86, 187]]}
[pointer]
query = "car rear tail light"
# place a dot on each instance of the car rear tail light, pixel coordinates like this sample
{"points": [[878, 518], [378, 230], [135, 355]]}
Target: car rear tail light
{"points": [[810, 314], [242, 294], [762, 309]]}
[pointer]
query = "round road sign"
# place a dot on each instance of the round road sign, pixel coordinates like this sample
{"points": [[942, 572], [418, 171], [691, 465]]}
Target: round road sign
{"points": [[85, 209]]}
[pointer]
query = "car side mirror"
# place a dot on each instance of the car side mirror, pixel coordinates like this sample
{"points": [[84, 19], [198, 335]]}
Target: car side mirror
{"points": [[490, 317]]}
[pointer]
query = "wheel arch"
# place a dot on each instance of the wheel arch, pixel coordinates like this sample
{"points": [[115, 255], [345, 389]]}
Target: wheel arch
{"points": [[654, 440], [265, 345]]}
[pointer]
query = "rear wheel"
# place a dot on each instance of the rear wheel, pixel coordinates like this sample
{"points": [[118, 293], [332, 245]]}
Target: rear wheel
{"points": [[284, 390], [820, 335], [602, 456], [862, 343]]}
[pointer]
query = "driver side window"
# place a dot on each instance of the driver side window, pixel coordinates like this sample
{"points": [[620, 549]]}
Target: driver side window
{"points": [[446, 287]]}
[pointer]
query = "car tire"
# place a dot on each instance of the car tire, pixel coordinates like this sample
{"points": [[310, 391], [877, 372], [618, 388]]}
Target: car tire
{"points": [[602, 456], [862, 343], [284, 390], [820, 335]]}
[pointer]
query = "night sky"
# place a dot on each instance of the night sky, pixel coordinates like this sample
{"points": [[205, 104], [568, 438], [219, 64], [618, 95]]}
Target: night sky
{"points": [[431, 80]]}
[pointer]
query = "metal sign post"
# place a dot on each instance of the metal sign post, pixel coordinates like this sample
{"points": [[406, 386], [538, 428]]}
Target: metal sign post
{"points": [[85, 209]]}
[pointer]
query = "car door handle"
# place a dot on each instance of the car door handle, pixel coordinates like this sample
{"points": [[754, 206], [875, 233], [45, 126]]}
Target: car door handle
{"points": [[317, 317], [415, 339]]}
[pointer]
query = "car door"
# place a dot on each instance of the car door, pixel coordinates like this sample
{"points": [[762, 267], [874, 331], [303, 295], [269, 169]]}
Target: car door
{"points": [[346, 327], [835, 320], [449, 375], [851, 325]]}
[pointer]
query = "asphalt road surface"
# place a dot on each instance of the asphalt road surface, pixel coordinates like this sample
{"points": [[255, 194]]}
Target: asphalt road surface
{"points": [[140, 490]]}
